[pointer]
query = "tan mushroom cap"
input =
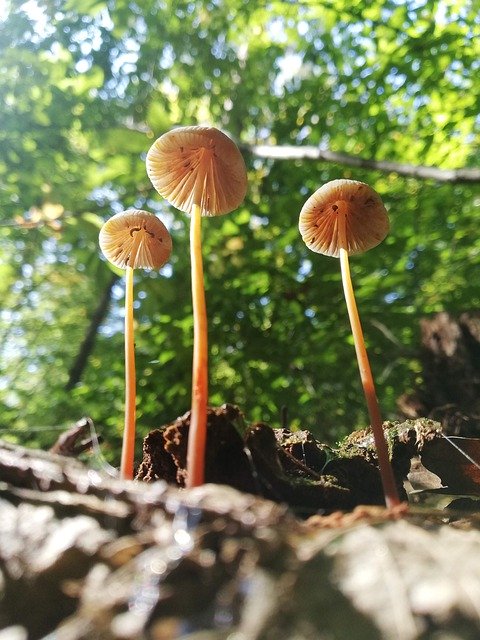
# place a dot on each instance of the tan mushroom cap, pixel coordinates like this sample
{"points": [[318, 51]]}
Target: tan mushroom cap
{"points": [[198, 165], [135, 238], [366, 221]]}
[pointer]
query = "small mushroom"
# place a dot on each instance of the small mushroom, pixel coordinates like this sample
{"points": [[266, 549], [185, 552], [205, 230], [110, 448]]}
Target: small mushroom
{"points": [[133, 239], [200, 171], [342, 218]]}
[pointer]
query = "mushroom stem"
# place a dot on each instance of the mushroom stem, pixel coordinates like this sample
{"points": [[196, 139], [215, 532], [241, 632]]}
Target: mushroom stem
{"points": [[198, 415], [128, 448], [386, 471]]}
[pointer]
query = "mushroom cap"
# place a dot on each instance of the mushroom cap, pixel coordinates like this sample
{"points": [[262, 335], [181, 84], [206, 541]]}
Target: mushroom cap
{"points": [[135, 238], [198, 165], [366, 221]]}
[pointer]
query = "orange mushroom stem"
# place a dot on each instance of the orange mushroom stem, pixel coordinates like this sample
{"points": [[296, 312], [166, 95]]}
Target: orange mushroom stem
{"points": [[129, 240], [376, 422], [341, 218], [128, 445], [200, 171], [198, 415]]}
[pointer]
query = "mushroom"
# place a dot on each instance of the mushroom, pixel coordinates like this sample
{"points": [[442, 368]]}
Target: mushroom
{"points": [[342, 218], [133, 239], [200, 171]]}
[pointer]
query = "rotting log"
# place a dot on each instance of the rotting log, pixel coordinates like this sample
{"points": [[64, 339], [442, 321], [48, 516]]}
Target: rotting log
{"points": [[84, 556]]}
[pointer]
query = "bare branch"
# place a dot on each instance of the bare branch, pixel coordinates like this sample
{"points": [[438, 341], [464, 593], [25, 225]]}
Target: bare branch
{"points": [[291, 152]]}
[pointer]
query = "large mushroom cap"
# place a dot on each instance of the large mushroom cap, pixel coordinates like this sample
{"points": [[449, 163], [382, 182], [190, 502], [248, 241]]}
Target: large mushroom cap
{"points": [[366, 221], [135, 238], [198, 165]]}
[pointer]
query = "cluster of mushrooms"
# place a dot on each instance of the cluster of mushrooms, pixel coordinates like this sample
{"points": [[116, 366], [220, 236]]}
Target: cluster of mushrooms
{"points": [[200, 171]]}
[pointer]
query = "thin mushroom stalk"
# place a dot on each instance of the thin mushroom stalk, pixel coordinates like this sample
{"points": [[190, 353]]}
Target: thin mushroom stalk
{"points": [[128, 445], [342, 218], [198, 414], [133, 239], [368, 384], [200, 171]]}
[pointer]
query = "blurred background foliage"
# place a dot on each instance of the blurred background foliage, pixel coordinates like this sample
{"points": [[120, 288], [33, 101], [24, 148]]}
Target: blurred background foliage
{"points": [[87, 85]]}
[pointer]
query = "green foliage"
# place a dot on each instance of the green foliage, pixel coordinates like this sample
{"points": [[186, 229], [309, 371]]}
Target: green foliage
{"points": [[86, 88]]}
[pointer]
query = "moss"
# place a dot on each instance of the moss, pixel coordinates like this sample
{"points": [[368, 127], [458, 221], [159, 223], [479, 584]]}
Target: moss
{"points": [[408, 432]]}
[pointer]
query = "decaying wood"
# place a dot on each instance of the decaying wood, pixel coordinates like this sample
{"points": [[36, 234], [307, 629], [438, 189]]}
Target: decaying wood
{"points": [[272, 463], [74, 541], [85, 556]]}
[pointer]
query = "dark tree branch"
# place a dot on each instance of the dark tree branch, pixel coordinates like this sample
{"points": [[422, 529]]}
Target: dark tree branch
{"points": [[86, 348], [290, 152]]}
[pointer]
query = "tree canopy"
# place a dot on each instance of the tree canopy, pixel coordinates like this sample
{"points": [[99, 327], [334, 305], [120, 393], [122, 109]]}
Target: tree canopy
{"points": [[383, 92]]}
